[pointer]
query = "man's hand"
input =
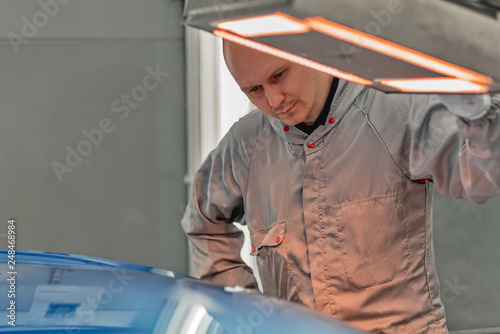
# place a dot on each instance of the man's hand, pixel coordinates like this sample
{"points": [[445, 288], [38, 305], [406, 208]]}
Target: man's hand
{"points": [[468, 106]]}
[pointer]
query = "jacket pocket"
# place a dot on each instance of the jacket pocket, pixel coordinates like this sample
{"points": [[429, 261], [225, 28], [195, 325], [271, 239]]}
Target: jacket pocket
{"points": [[265, 240], [270, 250], [374, 240]]}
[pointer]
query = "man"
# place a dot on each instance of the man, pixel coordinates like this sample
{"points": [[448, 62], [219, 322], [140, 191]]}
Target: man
{"points": [[330, 178]]}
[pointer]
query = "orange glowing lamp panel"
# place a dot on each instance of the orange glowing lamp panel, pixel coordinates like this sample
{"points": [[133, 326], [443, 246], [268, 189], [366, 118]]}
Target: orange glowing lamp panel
{"points": [[273, 24], [291, 57], [436, 85], [394, 50]]}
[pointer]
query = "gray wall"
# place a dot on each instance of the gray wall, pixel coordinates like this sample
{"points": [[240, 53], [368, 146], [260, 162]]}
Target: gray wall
{"points": [[468, 261], [63, 69]]}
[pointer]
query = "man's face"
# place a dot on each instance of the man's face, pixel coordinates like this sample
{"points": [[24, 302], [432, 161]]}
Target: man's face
{"points": [[281, 89]]}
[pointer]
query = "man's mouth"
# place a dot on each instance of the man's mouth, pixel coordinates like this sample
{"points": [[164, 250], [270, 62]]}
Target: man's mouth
{"points": [[287, 111]]}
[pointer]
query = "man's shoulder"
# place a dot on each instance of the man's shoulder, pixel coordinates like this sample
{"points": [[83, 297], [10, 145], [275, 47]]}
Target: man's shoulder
{"points": [[392, 106], [251, 125], [254, 118], [244, 135]]}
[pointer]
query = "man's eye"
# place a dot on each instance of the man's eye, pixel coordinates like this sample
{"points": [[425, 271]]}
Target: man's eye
{"points": [[279, 75], [253, 90]]}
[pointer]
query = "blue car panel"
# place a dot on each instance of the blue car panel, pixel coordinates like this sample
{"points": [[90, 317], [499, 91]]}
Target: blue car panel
{"points": [[60, 293]]}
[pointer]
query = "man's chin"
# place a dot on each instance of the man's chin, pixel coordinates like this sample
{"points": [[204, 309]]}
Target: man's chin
{"points": [[290, 120]]}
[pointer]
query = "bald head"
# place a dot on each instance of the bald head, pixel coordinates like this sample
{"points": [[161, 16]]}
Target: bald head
{"points": [[225, 45], [235, 53], [281, 89]]}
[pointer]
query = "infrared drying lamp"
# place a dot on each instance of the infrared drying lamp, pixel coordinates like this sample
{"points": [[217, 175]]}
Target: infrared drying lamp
{"points": [[422, 47]]}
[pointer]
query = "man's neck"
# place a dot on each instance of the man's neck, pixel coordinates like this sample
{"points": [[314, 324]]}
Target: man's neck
{"points": [[321, 119]]}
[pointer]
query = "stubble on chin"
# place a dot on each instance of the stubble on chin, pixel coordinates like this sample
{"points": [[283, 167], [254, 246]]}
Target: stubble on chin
{"points": [[289, 119]]}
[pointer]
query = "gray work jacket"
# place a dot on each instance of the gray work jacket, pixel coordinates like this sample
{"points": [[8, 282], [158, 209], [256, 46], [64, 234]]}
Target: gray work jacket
{"points": [[340, 220]]}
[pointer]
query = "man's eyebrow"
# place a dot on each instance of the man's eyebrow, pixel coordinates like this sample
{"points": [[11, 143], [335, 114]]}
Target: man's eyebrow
{"points": [[244, 89]]}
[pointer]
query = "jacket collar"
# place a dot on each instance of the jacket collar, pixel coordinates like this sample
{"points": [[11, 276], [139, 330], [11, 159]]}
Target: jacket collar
{"points": [[344, 97]]}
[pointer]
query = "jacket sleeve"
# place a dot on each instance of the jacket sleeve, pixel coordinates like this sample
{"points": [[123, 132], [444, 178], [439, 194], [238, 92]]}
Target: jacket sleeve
{"points": [[428, 142], [216, 201], [480, 157]]}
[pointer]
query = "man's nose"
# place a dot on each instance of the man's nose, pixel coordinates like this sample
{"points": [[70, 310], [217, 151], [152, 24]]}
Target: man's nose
{"points": [[275, 96]]}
